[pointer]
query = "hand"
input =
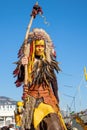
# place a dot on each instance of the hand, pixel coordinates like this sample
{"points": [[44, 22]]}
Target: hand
{"points": [[24, 60]]}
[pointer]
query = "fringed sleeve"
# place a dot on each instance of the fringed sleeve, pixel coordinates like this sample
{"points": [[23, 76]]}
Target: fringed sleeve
{"points": [[21, 74], [55, 88]]}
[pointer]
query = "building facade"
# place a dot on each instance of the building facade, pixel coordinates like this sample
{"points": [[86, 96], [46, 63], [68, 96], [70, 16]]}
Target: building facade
{"points": [[7, 108]]}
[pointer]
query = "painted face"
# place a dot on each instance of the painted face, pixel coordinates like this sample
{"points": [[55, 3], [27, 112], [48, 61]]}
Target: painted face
{"points": [[39, 47]]}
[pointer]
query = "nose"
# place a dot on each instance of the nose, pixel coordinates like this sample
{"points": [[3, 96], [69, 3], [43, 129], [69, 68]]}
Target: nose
{"points": [[39, 48]]}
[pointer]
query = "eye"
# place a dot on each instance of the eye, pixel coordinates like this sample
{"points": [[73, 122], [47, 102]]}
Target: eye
{"points": [[42, 45], [36, 45], [39, 45]]}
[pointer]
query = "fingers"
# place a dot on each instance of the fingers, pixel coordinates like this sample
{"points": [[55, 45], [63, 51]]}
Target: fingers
{"points": [[24, 60]]}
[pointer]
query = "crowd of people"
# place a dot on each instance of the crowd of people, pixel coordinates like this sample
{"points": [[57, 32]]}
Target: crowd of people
{"points": [[12, 127], [9, 127]]}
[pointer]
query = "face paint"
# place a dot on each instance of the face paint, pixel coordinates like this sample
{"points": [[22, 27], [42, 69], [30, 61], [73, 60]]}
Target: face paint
{"points": [[39, 47]]}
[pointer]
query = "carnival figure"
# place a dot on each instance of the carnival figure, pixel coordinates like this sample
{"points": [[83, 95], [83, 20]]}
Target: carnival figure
{"points": [[42, 108], [18, 115], [36, 71]]}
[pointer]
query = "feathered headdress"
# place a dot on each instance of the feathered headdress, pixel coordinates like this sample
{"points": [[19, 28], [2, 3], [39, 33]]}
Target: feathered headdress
{"points": [[39, 34]]}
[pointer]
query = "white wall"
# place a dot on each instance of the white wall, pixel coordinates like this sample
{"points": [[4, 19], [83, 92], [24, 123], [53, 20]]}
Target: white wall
{"points": [[7, 110]]}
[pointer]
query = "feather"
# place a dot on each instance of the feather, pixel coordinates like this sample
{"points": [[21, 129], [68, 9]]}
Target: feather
{"points": [[18, 83], [16, 71]]}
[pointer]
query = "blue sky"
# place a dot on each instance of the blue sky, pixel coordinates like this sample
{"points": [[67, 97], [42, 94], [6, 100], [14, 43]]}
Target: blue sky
{"points": [[68, 30]]}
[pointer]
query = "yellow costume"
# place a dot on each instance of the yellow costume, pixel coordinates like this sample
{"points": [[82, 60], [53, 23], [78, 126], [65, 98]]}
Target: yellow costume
{"points": [[18, 114]]}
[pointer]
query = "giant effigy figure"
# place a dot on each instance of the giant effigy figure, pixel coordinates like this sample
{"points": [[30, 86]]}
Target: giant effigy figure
{"points": [[36, 72]]}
